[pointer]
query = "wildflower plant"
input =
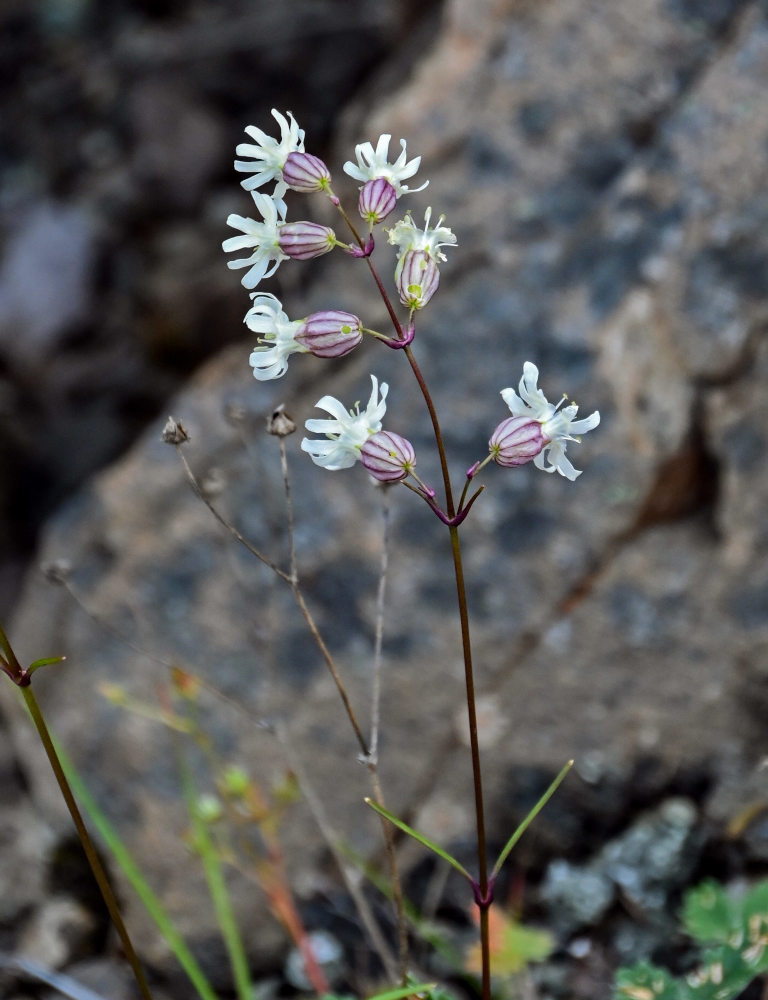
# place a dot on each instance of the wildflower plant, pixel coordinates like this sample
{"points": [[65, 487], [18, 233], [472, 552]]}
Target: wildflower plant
{"points": [[537, 430], [347, 434]]}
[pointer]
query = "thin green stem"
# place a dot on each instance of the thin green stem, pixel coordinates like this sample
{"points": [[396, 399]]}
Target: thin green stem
{"points": [[90, 851], [217, 887]]}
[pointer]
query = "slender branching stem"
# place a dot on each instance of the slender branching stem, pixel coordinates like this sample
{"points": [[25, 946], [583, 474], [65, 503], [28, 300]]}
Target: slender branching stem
{"points": [[332, 840], [383, 292], [485, 892], [379, 627], [288, 511], [482, 854], [200, 493], [85, 839], [368, 751], [394, 874], [330, 663], [292, 579]]}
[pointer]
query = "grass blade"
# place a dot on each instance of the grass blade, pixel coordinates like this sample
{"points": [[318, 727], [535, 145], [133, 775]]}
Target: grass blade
{"points": [[140, 885]]}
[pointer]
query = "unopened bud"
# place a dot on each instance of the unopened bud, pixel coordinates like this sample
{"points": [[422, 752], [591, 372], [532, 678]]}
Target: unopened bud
{"points": [[388, 457], [304, 240], [417, 278], [173, 432], [279, 423], [377, 199], [306, 173], [516, 441], [330, 333]]}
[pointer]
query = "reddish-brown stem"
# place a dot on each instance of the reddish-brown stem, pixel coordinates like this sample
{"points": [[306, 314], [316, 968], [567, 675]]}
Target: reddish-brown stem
{"points": [[453, 528]]}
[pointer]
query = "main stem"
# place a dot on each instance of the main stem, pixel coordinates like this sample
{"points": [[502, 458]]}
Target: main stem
{"points": [[85, 839], [484, 896], [461, 592], [482, 854]]}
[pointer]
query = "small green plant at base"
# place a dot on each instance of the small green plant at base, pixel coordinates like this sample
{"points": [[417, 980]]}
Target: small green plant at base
{"points": [[734, 935]]}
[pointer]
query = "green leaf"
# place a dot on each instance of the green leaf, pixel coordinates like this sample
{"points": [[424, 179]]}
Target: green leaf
{"points": [[755, 903], [529, 819], [708, 913], [647, 982], [45, 662], [722, 975], [420, 837], [132, 872]]}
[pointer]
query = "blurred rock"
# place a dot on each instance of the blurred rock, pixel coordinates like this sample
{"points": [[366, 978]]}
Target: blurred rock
{"points": [[46, 280], [60, 931], [26, 840], [577, 895], [118, 123], [645, 866]]}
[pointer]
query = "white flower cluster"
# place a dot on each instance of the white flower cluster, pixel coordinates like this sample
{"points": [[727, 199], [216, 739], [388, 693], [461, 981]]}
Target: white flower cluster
{"points": [[537, 430]]}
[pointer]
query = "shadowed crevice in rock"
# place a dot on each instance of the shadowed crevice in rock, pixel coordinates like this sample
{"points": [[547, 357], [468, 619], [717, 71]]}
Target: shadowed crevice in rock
{"points": [[686, 485]]}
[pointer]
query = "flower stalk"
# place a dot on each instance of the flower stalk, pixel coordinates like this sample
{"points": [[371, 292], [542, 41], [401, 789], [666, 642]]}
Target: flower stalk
{"points": [[21, 677]]}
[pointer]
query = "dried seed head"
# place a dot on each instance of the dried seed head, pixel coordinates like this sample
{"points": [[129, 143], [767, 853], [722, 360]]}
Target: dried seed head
{"points": [[174, 432], [279, 423]]}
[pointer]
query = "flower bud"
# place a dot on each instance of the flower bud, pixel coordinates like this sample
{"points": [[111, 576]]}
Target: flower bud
{"points": [[304, 240], [330, 333], [387, 456], [417, 278], [306, 173], [377, 199], [516, 441]]}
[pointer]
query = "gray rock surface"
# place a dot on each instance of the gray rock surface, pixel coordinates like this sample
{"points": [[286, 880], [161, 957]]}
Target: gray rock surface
{"points": [[604, 168]]}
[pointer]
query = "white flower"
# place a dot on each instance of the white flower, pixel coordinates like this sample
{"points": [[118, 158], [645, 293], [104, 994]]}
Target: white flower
{"points": [[266, 317], [347, 432], [268, 156], [262, 236], [557, 425], [407, 236], [373, 163]]}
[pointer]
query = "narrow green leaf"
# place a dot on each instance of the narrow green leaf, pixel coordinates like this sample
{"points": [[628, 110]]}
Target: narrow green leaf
{"points": [[529, 819], [45, 662], [420, 837], [140, 885], [217, 887]]}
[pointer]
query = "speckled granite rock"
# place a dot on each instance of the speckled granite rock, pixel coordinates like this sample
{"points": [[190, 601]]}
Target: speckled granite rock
{"points": [[605, 171]]}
